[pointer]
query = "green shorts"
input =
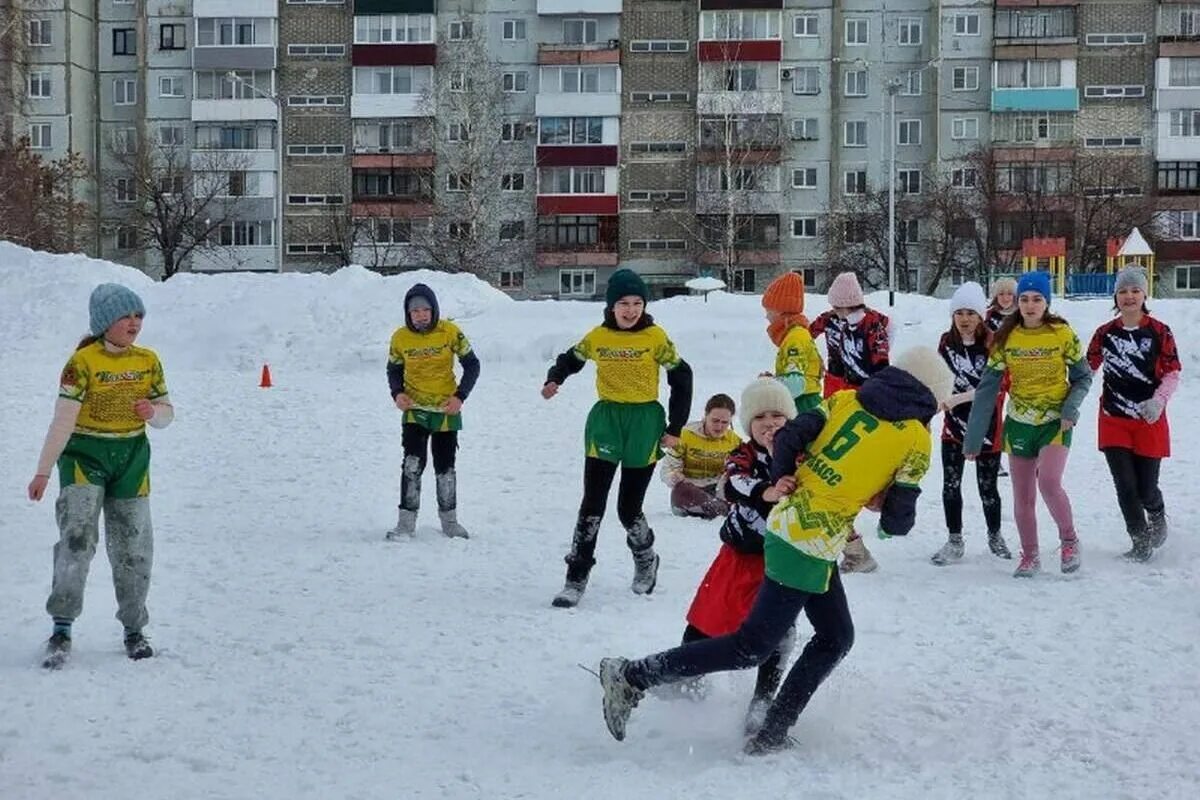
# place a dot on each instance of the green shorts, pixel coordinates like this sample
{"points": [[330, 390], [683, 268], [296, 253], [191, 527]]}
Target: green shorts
{"points": [[121, 466], [625, 433], [1025, 441], [807, 402], [434, 421]]}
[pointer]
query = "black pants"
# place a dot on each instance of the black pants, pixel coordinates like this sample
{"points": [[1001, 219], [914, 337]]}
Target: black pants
{"points": [[987, 471], [1136, 479], [598, 476], [417, 441], [774, 613], [770, 672]]}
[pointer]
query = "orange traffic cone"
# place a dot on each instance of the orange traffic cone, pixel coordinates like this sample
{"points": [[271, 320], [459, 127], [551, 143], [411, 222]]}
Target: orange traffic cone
{"points": [[265, 383]]}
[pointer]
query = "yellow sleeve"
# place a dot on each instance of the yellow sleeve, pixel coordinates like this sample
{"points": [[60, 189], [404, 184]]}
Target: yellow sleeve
{"points": [[396, 351], [998, 359], [458, 340], [158, 381], [916, 460], [1072, 347], [73, 382], [665, 352], [586, 348]]}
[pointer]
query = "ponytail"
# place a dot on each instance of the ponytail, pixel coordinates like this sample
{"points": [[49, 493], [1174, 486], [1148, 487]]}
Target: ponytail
{"points": [[85, 341]]}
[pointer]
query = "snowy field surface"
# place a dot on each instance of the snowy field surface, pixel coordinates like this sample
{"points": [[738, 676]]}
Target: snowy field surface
{"points": [[301, 656]]}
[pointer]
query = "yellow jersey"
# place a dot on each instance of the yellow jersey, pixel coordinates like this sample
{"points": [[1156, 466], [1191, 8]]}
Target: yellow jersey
{"points": [[703, 457], [1037, 361], [856, 456], [627, 362], [428, 361], [107, 385], [798, 362]]}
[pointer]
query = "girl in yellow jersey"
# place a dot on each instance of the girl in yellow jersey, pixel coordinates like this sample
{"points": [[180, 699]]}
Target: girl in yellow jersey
{"points": [[858, 448], [1050, 377], [626, 427], [109, 391], [694, 467], [420, 374], [798, 362]]}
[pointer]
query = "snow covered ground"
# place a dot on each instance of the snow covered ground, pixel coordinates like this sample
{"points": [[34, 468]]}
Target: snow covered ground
{"points": [[301, 656]]}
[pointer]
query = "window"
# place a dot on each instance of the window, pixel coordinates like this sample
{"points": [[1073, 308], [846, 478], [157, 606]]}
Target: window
{"points": [[1041, 177], [459, 31], [124, 141], [579, 80], [40, 136], [515, 82], [569, 232], [1189, 21], [908, 132], [577, 282], [723, 178], [383, 137], [512, 182], [806, 130], [806, 80], [235, 184], [246, 136], [856, 230], [734, 26], [513, 30], [232, 84], [910, 181], [39, 83], [742, 78], [1178, 176], [172, 37], [910, 31], [857, 31], [310, 100], [1035, 23], [1029, 74], [743, 279], [913, 84], [579, 31], [659, 97], [392, 80], [804, 25], [235, 31], [964, 178], [458, 132], [1114, 91], [855, 133], [393, 29], [316, 199], [171, 185], [127, 238], [658, 46], [966, 24], [170, 86], [385, 230], [964, 128], [804, 227], [312, 248], [124, 42], [316, 150], [1185, 122], [512, 132], [170, 136], [512, 279], [1189, 224], [571, 130], [1053, 126], [657, 244], [804, 178], [855, 181], [1183, 72], [657, 147], [855, 83], [124, 91], [246, 234], [1187, 278], [910, 230], [965, 79], [316, 50], [1112, 141], [458, 182], [571, 180], [40, 34], [513, 231], [458, 81], [658, 195], [1115, 39]]}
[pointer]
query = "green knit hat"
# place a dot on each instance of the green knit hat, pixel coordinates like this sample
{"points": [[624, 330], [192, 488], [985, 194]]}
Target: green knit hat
{"points": [[625, 282]]}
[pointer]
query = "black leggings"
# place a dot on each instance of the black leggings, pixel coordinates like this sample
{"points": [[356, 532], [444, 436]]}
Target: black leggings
{"points": [[987, 471], [1136, 479], [770, 672], [597, 482], [418, 440]]}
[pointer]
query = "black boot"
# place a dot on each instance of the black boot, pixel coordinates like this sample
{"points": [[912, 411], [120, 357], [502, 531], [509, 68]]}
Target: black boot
{"points": [[1142, 548], [137, 646], [58, 650], [640, 538], [579, 562], [572, 591], [1158, 528]]}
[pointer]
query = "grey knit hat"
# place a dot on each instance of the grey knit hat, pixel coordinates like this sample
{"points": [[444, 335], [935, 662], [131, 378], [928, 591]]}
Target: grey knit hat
{"points": [[1132, 278]]}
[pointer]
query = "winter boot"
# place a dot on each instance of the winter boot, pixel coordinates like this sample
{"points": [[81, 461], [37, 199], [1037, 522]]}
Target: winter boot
{"points": [[951, 552], [620, 696], [579, 561], [447, 498], [997, 545], [1142, 549], [1029, 565], [1070, 556], [58, 650], [137, 646], [756, 714], [410, 498], [1158, 528], [572, 591], [640, 539], [406, 526], [857, 558], [765, 744]]}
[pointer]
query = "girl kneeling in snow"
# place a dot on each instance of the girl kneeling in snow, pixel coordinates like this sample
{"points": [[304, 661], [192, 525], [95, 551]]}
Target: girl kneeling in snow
{"points": [[693, 468]]}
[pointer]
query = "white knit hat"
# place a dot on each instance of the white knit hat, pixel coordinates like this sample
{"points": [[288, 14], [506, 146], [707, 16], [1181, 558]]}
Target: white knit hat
{"points": [[924, 364], [969, 297], [765, 394]]}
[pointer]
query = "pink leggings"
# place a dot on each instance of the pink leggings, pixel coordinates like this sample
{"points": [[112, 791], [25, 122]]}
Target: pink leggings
{"points": [[1044, 473]]}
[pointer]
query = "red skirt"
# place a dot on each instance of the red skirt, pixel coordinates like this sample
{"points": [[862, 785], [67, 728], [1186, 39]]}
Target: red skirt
{"points": [[1144, 439], [834, 384], [727, 592]]}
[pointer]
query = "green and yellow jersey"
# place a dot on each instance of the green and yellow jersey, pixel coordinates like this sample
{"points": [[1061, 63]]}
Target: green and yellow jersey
{"points": [[428, 361], [798, 362], [107, 384], [700, 457], [627, 362], [1038, 361]]}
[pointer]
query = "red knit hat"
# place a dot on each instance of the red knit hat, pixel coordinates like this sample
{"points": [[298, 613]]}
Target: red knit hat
{"points": [[785, 295]]}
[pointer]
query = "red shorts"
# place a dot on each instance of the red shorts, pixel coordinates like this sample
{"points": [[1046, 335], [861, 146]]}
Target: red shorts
{"points": [[834, 384], [727, 592], [1144, 439]]}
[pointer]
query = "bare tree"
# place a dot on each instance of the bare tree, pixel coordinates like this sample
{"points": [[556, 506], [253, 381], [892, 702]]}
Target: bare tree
{"points": [[1110, 202], [952, 230], [38, 208], [855, 237]]}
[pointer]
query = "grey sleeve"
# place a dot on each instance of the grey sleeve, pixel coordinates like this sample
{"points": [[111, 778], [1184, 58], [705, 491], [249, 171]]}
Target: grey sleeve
{"points": [[982, 409], [1080, 378]]}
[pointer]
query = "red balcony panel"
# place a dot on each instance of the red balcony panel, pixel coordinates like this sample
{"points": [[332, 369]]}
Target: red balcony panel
{"points": [[411, 209], [577, 155], [1177, 251], [576, 259], [1178, 49], [722, 5], [390, 160], [758, 50], [743, 258], [549, 205], [394, 55]]}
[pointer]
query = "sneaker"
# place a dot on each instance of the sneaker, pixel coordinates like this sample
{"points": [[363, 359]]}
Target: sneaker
{"points": [[857, 558], [137, 646], [764, 744], [950, 553], [620, 696], [1029, 565], [645, 571], [997, 545], [756, 715], [1070, 555], [58, 650], [1158, 528], [406, 526]]}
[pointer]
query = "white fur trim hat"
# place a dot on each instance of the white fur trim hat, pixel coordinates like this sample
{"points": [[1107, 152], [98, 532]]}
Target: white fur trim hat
{"points": [[969, 297], [765, 394], [924, 364]]}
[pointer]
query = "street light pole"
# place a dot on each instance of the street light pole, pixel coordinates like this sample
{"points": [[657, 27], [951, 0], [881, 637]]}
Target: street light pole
{"points": [[279, 104]]}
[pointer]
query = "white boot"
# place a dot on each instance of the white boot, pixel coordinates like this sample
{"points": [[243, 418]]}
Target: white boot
{"points": [[857, 558], [951, 552], [406, 525]]}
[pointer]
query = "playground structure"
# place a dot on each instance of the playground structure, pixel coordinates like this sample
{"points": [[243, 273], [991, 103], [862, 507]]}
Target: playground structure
{"points": [[1050, 254]]}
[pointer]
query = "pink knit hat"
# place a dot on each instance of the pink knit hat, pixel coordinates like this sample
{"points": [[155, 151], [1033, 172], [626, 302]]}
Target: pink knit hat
{"points": [[845, 292]]}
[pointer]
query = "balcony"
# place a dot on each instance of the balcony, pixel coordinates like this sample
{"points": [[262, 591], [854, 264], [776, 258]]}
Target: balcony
{"points": [[1178, 178], [235, 8], [364, 7], [1178, 30], [1028, 25], [223, 160], [245, 258], [389, 161], [389, 105], [579, 6], [258, 108], [1058, 98], [586, 204], [578, 155], [577, 241], [578, 104], [394, 55], [242, 57], [739, 103], [745, 50], [608, 52]]}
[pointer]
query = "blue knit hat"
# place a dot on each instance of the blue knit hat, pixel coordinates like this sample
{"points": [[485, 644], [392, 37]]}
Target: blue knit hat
{"points": [[1035, 282], [111, 302]]}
